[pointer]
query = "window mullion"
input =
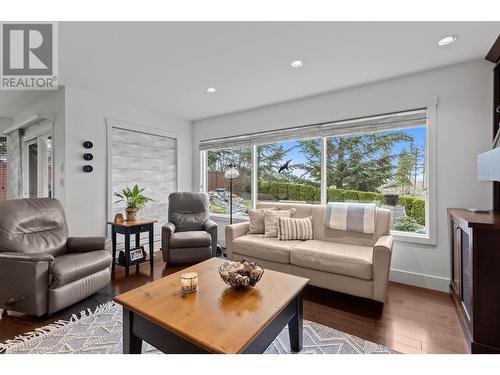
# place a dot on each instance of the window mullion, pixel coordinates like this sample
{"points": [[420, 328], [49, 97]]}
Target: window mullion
{"points": [[324, 182], [254, 192]]}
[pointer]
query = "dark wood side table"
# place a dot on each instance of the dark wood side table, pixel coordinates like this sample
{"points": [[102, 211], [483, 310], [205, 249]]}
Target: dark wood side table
{"points": [[128, 228], [475, 281]]}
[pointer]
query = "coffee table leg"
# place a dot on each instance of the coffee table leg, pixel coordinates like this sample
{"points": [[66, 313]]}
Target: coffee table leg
{"points": [[131, 343], [295, 326]]}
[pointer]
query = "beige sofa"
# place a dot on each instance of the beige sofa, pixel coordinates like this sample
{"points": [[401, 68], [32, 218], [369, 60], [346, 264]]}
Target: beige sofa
{"points": [[347, 262]]}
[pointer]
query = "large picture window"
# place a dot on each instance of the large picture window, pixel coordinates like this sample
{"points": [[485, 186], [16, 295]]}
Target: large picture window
{"points": [[380, 159]]}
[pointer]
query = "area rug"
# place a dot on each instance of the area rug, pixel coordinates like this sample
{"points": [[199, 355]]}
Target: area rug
{"points": [[100, 332]]}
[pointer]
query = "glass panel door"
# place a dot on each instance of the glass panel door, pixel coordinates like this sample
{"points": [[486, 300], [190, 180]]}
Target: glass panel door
{"points": [[45, 153], [33, 169], [38, 167]]}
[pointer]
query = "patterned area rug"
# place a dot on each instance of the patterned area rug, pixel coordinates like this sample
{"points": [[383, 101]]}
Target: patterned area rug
{"points": [[100, 332]]}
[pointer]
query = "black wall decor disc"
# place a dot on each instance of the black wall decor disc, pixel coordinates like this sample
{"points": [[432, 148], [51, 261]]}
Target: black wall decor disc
{"points": [[87, 168], [88, 156], [88, 144]]}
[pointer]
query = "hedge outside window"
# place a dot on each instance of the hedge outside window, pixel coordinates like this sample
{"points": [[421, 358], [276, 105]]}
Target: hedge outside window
{"points": [[289, 171], [387, 168], [218, 161]]}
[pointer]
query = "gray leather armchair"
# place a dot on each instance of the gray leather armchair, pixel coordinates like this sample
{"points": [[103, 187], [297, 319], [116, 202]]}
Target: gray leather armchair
{"points": [[189, 236], [41, 269]]}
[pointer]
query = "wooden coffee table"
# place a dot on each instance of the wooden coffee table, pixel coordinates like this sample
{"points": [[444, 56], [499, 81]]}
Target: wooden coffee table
{"points": [[217, 318]]}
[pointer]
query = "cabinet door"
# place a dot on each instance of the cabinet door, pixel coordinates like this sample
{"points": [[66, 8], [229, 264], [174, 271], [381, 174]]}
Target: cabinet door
{"points": [[466, 273], [455, 259]]}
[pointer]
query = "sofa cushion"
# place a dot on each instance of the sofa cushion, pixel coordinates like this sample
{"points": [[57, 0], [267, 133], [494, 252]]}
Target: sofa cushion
{"points": [[295, 229], [71, 267], [271, 221], [198, 238], [258, 246], [334, 257], [256, 217]]}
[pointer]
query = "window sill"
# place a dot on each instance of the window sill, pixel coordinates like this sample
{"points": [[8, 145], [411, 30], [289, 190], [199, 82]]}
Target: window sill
{"points": [[424, 239], [225, 217], [399, 236]]}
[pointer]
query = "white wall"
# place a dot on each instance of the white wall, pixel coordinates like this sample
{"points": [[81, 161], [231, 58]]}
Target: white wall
{"points": [[463, 130], [5, 122], [86, 201], [51, 107]]}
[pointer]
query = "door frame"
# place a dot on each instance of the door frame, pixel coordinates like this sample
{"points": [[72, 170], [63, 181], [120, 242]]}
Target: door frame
{"points": [[34, 134]]}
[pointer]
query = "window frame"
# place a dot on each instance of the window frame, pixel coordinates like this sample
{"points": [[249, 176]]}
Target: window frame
{"points": [[430, 177]]}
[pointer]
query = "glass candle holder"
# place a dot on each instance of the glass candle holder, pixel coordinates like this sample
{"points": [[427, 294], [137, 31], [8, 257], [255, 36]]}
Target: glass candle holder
{"points": [[189, 282]]}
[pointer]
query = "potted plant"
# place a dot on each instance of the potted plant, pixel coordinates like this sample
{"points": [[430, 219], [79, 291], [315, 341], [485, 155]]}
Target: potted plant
{"points": [[135, 200], [390, 192]]}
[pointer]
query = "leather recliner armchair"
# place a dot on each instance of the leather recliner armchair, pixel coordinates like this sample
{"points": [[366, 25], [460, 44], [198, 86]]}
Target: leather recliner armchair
{"points": [[189, 236], [42, 270]]}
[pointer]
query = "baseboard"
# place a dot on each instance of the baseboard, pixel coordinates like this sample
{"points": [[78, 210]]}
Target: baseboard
{"points": [[418, 279]]}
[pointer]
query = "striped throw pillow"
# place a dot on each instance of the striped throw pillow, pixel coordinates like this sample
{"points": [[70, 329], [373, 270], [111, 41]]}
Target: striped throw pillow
{"points": [[271, 221], [295, 229]]}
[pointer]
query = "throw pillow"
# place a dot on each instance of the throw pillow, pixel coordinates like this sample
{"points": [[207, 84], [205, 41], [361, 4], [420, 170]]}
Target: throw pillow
{"points": [[271, 221], [295, 229], [256, 217]]}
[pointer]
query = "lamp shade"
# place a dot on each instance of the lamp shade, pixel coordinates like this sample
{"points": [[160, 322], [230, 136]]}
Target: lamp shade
{"points": [[231, 173], [488, 165]]}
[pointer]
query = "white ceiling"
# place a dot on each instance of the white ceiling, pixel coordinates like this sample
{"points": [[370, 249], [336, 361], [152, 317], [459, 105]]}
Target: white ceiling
{"points": [[166, 66]]}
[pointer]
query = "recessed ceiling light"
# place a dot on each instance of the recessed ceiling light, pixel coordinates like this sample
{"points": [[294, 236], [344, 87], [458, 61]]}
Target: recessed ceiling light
{"points": [[297, 64], [448, 40], [211, 90]]}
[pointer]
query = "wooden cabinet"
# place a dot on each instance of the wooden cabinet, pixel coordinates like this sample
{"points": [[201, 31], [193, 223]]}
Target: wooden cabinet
{"points": [[475, 277]]}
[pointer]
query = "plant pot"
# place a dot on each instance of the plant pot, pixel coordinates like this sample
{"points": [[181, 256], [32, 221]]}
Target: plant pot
{"points": [[131, 214], [391, 199]]}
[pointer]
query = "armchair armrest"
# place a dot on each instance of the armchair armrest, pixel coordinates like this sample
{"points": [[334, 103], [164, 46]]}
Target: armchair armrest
{"points": [[166, 231], [86, 244], [232, 232], [25, 257], [382, 251], [211, 227], [25, 282]]}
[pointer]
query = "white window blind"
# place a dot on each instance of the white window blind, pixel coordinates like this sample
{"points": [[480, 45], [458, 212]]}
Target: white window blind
{"points": [[150, 161], [3, 168], [45, 155], [377, 123]]}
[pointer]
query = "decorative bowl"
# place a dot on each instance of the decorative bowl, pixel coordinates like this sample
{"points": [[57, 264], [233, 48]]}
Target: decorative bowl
{"points": [[241, 274]]}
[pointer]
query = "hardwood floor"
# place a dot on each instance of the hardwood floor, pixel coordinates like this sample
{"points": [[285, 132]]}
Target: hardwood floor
{"points": [[414, 320]]}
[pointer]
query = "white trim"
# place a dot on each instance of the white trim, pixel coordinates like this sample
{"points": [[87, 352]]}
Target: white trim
{"points": [[203, 176], [33, 120], [34, 131], [114, 123], [419, 279]]}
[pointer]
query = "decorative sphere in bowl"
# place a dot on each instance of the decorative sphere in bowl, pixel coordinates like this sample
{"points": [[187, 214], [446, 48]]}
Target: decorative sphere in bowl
{"points": [[240, 274]]}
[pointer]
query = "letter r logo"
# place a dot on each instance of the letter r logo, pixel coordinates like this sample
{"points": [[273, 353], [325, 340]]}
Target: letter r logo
{"points": [[27, 49]]}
